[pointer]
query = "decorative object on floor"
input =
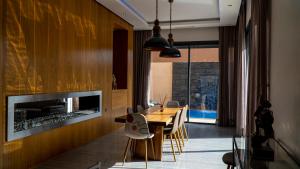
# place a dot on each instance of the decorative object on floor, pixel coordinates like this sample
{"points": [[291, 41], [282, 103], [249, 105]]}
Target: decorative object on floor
{"points": [[264, 131], [171, 52], [156, 42]]}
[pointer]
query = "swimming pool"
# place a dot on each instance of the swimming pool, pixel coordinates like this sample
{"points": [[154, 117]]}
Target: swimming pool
{"points": [[206, 114]]}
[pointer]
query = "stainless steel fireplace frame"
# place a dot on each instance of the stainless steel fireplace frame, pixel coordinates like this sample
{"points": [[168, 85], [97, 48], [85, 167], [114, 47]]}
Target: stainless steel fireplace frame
{"points": [[12, 100]]}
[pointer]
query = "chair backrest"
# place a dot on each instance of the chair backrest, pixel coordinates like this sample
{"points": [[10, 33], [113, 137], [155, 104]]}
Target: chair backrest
{"points": [[136, 126], [173, 104], [129, 110], [183, 115], [139, 108], [176, 121]]}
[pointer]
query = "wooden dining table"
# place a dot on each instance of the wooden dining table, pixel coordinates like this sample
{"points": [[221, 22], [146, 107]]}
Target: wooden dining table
{"points": [[158, 118]]}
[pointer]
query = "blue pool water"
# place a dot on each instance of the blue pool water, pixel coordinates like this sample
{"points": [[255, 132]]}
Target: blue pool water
{"points": [[206, 114]]}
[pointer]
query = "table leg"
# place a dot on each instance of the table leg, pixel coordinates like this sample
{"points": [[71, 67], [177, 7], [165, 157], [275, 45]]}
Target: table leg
{"points": [[158, 142]]}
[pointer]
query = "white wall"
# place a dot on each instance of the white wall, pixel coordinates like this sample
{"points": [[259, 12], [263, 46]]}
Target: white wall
{"points": [[161, 78], [285, 72], [193, 34]]}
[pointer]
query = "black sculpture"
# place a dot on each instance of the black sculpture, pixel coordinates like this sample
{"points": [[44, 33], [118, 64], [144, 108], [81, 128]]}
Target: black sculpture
{"points": [[264, 131]]}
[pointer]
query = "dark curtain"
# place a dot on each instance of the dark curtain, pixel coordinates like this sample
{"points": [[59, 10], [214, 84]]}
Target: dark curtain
{"points": [[240, 77], [259, 59], [141, 69], [227, 52], [230, 52]]}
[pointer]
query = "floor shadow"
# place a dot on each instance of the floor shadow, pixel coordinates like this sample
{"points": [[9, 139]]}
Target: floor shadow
{"points": [[108, 150], [209, 131]]}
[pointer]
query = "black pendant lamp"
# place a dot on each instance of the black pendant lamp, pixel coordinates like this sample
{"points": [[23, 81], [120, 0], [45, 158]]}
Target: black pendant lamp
{"points": [[156, 42], [171, 52]]}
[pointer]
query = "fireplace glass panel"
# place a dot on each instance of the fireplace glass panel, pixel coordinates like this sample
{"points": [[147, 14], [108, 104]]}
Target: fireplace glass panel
{"points": [[35, 113]]}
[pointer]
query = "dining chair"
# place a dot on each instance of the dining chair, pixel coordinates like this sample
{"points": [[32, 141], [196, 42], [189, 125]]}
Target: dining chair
{"points": [[184, 119], [173, 104], [181, 127], [172, 132], [136, 128], [139, 108]]}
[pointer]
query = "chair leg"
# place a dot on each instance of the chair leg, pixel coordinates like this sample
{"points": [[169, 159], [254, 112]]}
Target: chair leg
{"points": [[176, 135], [179, 141], [172, 147], [185, 132], [181, 135], [152, 145], [177, 144], [146, 153], [126, 150]]}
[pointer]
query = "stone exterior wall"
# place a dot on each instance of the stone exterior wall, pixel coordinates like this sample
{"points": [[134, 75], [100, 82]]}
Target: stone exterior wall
{"points": [[204, 84], [180, 82]]}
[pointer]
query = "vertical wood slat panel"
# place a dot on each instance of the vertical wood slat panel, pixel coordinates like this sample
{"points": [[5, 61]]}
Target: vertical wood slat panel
{"points": [[130, 69], [57, 46], [119, 104], [1, 82]]}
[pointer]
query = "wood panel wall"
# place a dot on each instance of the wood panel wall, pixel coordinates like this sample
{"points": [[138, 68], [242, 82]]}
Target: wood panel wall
{"points": [[1, 82], [57, 46], [119, 104]]}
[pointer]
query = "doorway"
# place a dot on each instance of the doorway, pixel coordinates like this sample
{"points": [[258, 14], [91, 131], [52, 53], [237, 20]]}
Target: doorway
{"points": [[192, 79]]}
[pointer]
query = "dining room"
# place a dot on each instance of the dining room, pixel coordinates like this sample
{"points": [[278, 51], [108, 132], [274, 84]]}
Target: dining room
{"points": [[155, 84]]}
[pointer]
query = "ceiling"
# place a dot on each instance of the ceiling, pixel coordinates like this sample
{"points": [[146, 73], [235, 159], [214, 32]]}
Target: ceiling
{"points": [[185, 13]]}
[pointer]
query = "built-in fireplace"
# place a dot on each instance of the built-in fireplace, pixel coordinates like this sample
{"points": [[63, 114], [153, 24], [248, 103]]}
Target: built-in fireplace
{"points": [[31, 114]]}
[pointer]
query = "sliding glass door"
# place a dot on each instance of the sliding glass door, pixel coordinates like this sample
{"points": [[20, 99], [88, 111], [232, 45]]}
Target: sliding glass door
{"points": [[204, 85], [191, 80]]}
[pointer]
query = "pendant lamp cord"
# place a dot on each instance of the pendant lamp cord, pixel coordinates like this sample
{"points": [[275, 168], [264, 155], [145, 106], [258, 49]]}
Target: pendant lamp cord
{"points": [[170, 16], [156, 9]]}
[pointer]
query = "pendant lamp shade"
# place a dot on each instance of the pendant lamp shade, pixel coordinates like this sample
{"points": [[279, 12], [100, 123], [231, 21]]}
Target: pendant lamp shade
{"points": [[171, 52], [156, 42]]}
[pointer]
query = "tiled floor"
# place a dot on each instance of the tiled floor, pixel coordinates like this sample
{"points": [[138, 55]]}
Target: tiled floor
{"points": [[205, 149]]}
